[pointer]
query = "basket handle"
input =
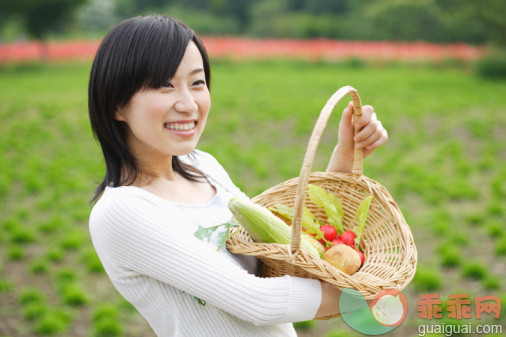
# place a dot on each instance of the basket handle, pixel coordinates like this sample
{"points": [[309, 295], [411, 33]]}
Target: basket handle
{"points": [[305, 171]]}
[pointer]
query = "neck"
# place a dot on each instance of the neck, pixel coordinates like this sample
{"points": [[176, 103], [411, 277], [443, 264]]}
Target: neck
{"points": [[152, 167]]}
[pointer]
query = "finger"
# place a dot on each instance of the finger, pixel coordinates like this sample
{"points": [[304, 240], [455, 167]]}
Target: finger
{"points": [[377, 134], [367, 112], [380, 141], [373, 126], [348, 114]]}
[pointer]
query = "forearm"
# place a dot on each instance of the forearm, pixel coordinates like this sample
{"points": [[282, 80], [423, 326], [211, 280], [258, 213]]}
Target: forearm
{"points": [[330, 301], [340, 162]]}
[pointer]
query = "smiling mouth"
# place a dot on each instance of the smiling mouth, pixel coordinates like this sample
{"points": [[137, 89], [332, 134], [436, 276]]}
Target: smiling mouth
{"points": [[182, 127]]}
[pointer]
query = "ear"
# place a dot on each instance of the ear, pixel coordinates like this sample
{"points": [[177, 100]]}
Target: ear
{"points": [[118, 115]]}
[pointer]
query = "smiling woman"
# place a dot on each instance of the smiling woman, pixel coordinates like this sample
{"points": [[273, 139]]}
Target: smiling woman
{"points": [[148, 104], [136, 81]]}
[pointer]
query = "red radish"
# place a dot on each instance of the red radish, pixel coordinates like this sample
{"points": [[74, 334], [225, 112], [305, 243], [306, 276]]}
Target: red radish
{"points": [[348, 238], [362, 256], [329, 233], [335, 243]]}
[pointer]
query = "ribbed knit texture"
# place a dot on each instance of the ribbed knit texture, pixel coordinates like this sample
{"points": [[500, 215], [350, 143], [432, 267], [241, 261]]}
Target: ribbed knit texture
{"points": [[184, 286]]}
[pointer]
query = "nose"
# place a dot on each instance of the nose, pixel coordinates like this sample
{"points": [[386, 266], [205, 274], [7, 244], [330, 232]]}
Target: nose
{"points": [[186, 101]]}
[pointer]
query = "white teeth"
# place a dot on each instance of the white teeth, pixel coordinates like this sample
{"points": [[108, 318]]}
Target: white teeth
{"points": [[180, 126]]}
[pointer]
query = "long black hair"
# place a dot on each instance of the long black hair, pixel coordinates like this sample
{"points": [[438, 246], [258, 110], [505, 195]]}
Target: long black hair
{"points": [[139, 53]]}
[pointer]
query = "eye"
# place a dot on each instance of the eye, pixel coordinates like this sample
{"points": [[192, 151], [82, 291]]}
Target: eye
{"points": [[199, 83], [167, 85]]}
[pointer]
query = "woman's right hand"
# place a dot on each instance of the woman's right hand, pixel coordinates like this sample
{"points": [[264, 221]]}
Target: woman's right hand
{"points": [[330, 301]]}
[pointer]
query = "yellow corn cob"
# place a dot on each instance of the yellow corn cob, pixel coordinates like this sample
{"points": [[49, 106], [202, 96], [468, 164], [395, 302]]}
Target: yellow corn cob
{"points": [[263, 226], [315, 243]]}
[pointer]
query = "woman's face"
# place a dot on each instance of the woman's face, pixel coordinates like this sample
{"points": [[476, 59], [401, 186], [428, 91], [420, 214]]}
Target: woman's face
{"points": [[169, 120]]}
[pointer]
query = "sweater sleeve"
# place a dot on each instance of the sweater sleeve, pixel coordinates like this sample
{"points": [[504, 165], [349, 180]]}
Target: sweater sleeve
{"points": [[136, 235]]}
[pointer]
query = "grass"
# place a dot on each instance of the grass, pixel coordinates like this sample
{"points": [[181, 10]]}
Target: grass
{"points": [[31, 295], [500, 248], [492, 283], [474, 269], [74, 295], [442, 165], [427, 280], [450, 255]]}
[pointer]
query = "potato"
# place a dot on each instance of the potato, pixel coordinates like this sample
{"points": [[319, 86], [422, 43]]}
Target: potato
{"points": [[344, 258]]}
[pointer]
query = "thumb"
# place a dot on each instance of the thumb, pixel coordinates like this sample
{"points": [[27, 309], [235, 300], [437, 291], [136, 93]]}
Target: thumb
{"points": [[346, 131]]}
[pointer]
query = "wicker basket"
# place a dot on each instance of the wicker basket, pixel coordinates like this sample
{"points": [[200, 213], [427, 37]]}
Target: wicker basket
{"points": [[387, 242]]}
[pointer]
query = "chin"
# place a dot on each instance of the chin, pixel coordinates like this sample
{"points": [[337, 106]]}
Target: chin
{"points": [[183, 152], [183, 147]]}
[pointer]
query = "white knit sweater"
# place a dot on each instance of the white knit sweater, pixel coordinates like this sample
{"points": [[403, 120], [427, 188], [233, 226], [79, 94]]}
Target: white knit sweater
{"points": [[184, 286]]}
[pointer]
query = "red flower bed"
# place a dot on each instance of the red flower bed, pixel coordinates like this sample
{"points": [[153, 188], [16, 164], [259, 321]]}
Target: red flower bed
{"points": [[240, 48], [246, 48]]}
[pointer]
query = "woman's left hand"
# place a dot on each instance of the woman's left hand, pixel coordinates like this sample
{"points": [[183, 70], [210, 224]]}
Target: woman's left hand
{"points": [[370, 136]]}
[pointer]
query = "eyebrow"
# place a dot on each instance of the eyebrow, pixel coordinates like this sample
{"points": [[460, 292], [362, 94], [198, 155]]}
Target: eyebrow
{"points": [[198, 70], [194, 71]]}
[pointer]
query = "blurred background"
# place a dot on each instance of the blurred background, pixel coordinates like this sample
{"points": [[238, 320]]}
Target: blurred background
{"points": [[434, 70], [428, 20]]}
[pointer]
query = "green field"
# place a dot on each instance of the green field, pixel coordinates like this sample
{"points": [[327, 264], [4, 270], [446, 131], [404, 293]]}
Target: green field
{"points": [[444, 164]]}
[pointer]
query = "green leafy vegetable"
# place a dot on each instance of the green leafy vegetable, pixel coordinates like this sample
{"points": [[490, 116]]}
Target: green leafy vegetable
{"points": [[309, 221], [362, 212], [206, 232], [330, 203]]}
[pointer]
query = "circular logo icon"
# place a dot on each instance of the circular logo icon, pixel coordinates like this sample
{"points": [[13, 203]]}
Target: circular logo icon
{"points": [[389, 307], [385, 312]]}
